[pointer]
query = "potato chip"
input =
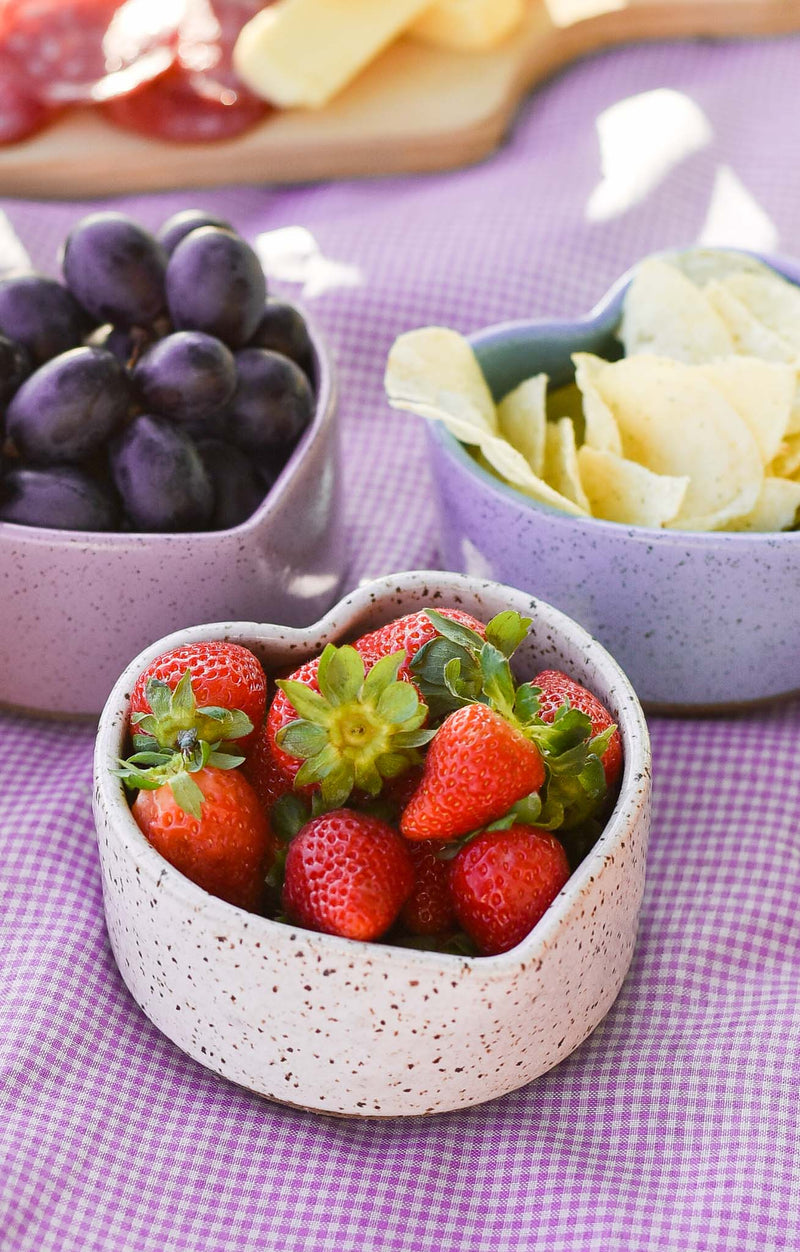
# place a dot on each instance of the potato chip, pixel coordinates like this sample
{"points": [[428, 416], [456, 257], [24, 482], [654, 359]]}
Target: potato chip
{"points": [[666, 314], [514, 469], [521, 419], [704, 265], [430, 390], [775, 509], [623, 491], [434, 371], [561, 462], [762, 392], [773, 301], [751, 337], [567, 402], [673, 421], [787, 462], [600, 426]]}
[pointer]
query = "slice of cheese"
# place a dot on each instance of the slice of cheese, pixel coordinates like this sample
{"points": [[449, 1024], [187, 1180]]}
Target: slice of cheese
{"points": [[300, 53], [468, 25]]}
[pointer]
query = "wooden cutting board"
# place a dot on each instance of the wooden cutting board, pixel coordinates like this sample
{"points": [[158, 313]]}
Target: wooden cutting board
{"points": [[413, 109]]}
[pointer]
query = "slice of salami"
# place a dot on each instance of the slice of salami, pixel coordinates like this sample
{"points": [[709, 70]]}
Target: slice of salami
{"points": [[179, 108], [206, 51], [21, 114], [71, 51]]}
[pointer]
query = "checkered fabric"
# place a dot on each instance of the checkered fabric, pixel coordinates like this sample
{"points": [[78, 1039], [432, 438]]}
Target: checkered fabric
{"points": [[675, 1125]]}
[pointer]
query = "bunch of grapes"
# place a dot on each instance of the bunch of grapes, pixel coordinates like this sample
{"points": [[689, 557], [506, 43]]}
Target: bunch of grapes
{"points": [[157, 389]]}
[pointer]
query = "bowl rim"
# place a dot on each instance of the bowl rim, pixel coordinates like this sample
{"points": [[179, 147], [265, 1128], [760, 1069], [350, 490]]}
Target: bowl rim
{"points": [[324, 413], [605, 314], [631, 805]]}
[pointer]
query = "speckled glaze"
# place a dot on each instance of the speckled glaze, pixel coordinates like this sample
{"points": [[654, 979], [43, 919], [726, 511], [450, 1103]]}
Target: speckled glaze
{"points": [[75, 607], [699, 622], [366, 1029]]}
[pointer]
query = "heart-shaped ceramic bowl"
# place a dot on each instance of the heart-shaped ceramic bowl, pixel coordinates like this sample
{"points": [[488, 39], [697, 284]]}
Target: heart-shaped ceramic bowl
{"points": [[699, 622], [368, 1029], [75, 607]]}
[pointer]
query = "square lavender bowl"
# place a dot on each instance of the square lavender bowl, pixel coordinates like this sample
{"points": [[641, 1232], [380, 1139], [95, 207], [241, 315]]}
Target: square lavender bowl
{"points": [[76, 606], [700, 622], [368, 1029]]}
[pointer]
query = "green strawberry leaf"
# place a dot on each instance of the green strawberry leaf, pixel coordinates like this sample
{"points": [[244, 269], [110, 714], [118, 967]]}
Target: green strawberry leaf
{"points": [[340, 675], [526, 812], [188, 795], [288, 815], [382, 675], [507, 630], [498, 683], [225, 760], [397, 703], [368, 777], [460, 635], [308, 704], [526, 703], [302, 738], [413, 738], [183, 703], [159, 697]]}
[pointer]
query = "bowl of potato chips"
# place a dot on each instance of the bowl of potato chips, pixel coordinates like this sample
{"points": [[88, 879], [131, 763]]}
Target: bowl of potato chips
{"points": [[639, 468]]}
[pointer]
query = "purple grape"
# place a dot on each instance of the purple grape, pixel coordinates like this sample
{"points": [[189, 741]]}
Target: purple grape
{"points": [[126, 343], [15, 366], [273, 402], [182, 224], [283, 329], [239, 488], [189, 376], [64, 498], [69, 407], [41, 315], [115, 269], [215, 283], [161, 478]]}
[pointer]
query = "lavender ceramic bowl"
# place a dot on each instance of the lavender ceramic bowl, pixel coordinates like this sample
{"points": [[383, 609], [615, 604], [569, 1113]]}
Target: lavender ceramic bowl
{"points": [[367, 1029], [75, 607], [699, 622]]}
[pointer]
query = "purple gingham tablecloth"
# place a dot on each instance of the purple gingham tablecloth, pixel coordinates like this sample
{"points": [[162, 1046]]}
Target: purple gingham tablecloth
{"points": [[675, 1125]]}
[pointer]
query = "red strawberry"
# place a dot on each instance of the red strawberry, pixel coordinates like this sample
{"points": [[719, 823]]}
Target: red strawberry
{"points": [[429, 909], [557, 689], [344, 723], [263, 772], [503, 881], [227, 850], [347, 874], [477, 766], [412, 632], [224, 675], [281, 711]]}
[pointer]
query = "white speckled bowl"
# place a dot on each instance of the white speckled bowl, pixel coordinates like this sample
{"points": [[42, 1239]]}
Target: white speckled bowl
{"points": [[699, 622], [76, 606], [367, 1029]]}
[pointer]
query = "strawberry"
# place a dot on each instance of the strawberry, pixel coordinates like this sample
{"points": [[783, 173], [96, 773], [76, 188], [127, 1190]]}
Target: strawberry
{"points": [[410, 634], [347, 874], [477, 766], [227, 848], [429, 908], [558, 689], [263, 772], [503, 881], [345, 722], [224, 675]]}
